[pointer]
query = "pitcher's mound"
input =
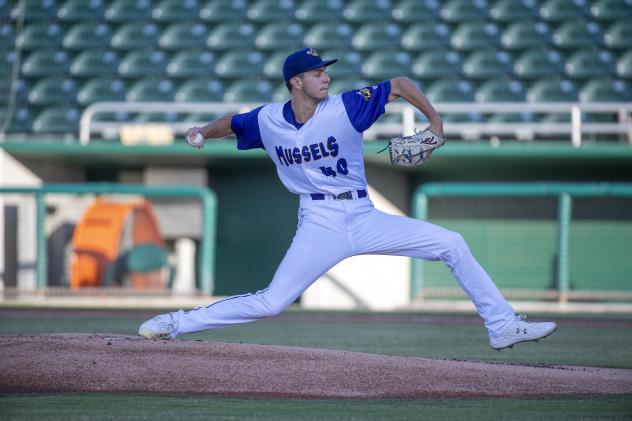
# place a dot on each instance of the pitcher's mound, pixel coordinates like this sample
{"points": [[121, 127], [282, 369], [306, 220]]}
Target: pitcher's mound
{"points": [[33, 363]]}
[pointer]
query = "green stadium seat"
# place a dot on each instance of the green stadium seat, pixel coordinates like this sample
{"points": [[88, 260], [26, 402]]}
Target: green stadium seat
{"points": [[362, 11], [57, 120], [135, 35], [437, 64], [240, 64], [21, 91], [83, 36], [605, 90], [450, 90], [590, 64], [52, 91], [200, 119], [7, 37], [122, 11], [383, 65], [314, 11], [338, 86], [619, 36], [183, 35], [40, 35], [249, 91], [458, 11], [348, 66], [538, 63], [222, 11], [101, 89], [274, 64], [94, 63], [624, 66], [200, 90], [411, 11], [151, 90], [552, 90], [265, 11], [117, 117], [231, 36], [370, 37], [563, 10], [43, 63], [191, 64], [81, 11], [168, 11], [425, 36], [329, 35], [508, 11], [168, 117], [36, 10], [501, 90], [525, 35], [525, 117], [470, 36], [578, 34], [277, 36], [281, 94], [139, 64], [611, 10], [487, 64], [21, 122]]}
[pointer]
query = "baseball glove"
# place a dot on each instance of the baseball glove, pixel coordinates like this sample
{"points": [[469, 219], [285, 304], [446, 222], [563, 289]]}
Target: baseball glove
{"points": [[412, 151]]}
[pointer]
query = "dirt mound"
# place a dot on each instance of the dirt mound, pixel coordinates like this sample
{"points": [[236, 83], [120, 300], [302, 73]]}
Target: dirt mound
{"points": [[32, 363]]}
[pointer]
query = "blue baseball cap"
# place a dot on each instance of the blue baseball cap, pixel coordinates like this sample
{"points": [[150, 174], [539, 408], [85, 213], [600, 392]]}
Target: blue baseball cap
{"points": [[303, 61]]}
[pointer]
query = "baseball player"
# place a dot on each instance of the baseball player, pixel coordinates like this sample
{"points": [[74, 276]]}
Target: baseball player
{"points": [[316, 143]]}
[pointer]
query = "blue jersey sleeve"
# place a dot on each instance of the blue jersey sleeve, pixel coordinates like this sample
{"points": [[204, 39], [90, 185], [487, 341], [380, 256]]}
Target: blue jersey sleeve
{"points": [[246, 128], [364, 106]]}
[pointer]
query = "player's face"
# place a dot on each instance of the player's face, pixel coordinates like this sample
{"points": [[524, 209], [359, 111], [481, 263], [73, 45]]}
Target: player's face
{"points": [[316, 83]]}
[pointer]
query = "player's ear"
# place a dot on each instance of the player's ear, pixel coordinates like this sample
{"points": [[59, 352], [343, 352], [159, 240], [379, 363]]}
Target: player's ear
{"points": [[297, 82]]}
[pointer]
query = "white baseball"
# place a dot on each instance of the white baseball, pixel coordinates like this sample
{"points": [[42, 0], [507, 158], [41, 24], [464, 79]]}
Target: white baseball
{"points": [[198, 140]]}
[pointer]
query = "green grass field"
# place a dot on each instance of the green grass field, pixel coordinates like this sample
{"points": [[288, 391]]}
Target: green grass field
{"points": [[576, 343]]}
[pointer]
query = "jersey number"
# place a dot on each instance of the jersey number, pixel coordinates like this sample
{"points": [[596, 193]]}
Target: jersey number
{"points": [[341, 166]]}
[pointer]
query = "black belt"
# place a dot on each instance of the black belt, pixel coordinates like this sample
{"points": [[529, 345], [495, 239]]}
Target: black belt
{"points": [[348, 195]]}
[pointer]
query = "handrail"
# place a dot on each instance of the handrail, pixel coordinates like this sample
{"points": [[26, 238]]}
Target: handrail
{"points": [[575, 128]]}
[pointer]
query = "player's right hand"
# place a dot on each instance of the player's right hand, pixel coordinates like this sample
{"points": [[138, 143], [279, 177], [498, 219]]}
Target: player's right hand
{"points": [[192, 137]]}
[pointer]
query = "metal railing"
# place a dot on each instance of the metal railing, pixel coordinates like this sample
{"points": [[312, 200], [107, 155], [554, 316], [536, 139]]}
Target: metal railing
{"points": [[575, 129]]}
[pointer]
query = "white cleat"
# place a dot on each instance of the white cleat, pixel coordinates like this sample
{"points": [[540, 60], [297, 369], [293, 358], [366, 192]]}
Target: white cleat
{"points": [[160, 327], [519, 330]]}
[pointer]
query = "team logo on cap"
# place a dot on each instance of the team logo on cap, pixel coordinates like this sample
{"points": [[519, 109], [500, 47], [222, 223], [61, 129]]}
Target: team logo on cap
{"points": [[313, 52]]}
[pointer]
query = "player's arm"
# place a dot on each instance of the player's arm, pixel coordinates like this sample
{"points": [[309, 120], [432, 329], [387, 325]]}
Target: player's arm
{"points": [[214, 129], [402, 87]]}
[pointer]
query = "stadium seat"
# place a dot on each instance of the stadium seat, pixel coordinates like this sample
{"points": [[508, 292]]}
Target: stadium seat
{"points": [[508, 11], [619, 36], [265, 11], [487, 64], [281, 94], [437, 64], [450, 90], [314, 11], [121, 11], [200, 90], [589, 64], [338, 86], [249, 91], [329, 35], [370, 37], [426, 36], [21, 91], [362, 11], [200, 119], [151, 90], [87, 35], [280, 36], [605, 90], [116, 117], [191, 64], [183, 35], [40, 35], [57, 120], [563, 10], [94, 63], [81, 11], [36, 10], [411, 11], [21, 122], [624, 66], [101, 89], [611, 10], [525, 35], [458, 11], [348, 65], [168, 11], [470, 36], [135, 35], [221, 11], [240, 64], [274, 64], [538, 63], [383, 65], [525, 117], [501, 90], [7, 37], [167, 117], [578, 34], [52, 91], [231, 36], [138, 64], [552, 90], [43, 63]]}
